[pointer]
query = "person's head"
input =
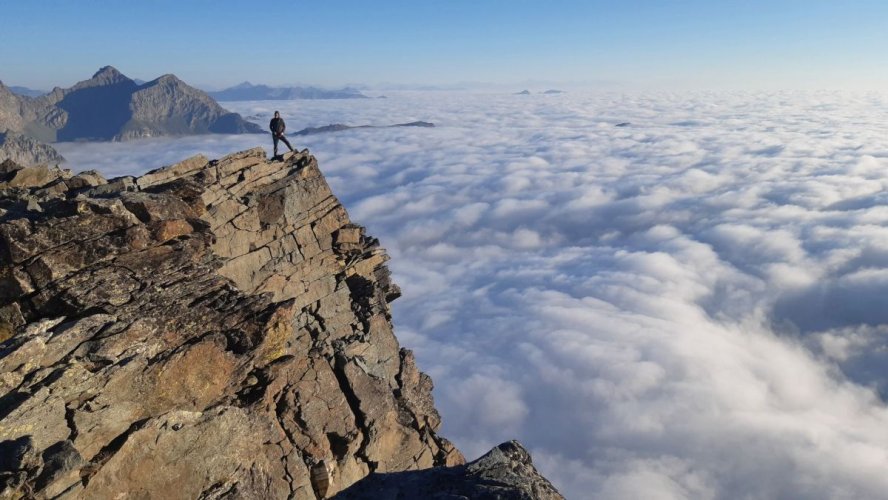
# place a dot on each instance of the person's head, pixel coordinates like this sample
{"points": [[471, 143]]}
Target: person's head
{"points": [[277, 115]]}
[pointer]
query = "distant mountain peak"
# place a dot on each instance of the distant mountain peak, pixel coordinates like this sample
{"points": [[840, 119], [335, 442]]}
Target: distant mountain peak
{"points": [[244, 85], [109, 74], [168, 78], [106, 71]]}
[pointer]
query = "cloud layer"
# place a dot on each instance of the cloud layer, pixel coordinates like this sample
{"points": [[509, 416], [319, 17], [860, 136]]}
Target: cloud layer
{"points": [[687, 307]]}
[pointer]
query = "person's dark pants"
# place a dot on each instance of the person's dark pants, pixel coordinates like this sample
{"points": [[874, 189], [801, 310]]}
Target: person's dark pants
{"points": [[281, 138]]}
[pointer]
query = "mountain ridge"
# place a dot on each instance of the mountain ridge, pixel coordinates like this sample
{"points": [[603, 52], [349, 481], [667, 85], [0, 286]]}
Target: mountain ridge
{"points": [[246, 91], [26, 91], [341, 127], [110, 106]]}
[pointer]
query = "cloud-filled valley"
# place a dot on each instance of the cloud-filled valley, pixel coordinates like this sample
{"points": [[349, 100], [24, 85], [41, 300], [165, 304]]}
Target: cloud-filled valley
{"points": [[691, 306]]}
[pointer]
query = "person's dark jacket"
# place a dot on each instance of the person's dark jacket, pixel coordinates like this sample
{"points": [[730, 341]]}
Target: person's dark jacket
{"points": [[277, 126]]}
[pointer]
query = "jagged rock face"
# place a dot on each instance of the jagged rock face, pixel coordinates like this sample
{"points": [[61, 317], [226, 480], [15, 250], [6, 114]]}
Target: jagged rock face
{"points": [[26, 151], [112, 107], [167, 106], [38, 118], [213, 329], [505, 473], [11, 113]]}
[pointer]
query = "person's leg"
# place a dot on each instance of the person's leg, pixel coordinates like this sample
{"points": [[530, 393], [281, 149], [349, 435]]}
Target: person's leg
{"points": [[285, 141], [275, 139]]}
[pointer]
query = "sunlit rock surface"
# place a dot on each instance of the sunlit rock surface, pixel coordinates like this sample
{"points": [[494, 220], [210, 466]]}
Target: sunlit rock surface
{"points": [[210, 329]]}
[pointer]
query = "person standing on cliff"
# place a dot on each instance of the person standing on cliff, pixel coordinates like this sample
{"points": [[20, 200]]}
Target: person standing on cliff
{"points": [[277, 127]]}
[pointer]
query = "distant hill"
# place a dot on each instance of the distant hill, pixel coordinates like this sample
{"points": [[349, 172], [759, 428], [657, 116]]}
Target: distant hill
{"points": [[554, 91], [523, 92], [339, 127], [111, 107], [26, 91], [246, 91]]}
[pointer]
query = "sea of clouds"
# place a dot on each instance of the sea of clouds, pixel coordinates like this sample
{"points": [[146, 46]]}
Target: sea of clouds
{"points": [[691, 306]]}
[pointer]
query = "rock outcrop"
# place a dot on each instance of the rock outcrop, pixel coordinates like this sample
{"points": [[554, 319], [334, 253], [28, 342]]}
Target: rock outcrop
{"points": [[26, 151], [212, 329], [506, 473], [112, 107]]}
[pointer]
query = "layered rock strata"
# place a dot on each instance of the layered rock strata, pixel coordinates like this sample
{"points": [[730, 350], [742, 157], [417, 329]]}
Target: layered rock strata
{"points": [[212, 329]]}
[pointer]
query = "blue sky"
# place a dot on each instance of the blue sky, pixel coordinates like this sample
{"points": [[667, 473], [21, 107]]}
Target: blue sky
{"points": [[680, 43]]}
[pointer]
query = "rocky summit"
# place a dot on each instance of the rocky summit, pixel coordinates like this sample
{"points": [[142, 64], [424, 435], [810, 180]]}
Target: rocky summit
{"points": [[211, 329]]}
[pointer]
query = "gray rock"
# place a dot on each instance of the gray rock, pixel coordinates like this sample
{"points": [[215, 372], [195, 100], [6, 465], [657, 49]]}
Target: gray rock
{"points": [[86, 179], [36, 176], [19, 454], [504, 473], [112, 187], [61, 465], [20, 463]]}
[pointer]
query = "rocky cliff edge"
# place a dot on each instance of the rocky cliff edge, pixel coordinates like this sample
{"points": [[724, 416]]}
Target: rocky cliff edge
{"points": [[211, 329]]}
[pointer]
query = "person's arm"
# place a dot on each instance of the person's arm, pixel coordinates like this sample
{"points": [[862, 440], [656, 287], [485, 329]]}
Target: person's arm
{"points": [[271, 125], [283, 126]]}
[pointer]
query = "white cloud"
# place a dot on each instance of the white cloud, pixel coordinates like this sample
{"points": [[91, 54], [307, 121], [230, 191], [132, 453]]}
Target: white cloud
{"points": [[688, 307]]}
